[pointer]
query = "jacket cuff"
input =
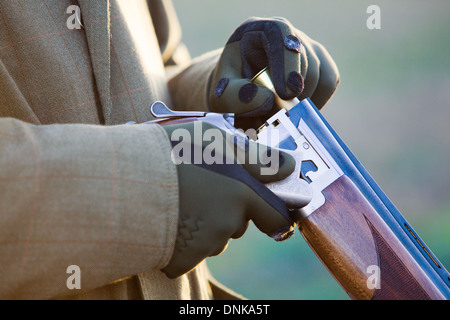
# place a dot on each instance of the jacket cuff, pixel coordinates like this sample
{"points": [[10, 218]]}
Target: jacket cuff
{"points": [[188, 87]]}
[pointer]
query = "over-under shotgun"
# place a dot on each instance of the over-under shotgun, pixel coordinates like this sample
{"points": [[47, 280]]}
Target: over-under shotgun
{"points": [[348, 221]]}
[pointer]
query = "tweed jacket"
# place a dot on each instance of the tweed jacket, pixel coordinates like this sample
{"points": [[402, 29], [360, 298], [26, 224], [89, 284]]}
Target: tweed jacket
{"points": [[78, 186]]}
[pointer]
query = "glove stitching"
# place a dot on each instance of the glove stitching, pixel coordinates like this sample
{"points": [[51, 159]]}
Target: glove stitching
{"points": [[187, 229]]}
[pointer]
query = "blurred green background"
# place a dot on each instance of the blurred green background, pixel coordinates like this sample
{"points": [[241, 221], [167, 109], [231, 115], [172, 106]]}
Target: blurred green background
{"points": [[391, 109]]}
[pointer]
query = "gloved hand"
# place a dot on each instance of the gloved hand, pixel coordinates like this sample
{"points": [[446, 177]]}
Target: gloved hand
{"points": [[299, 67], [218, 198]]}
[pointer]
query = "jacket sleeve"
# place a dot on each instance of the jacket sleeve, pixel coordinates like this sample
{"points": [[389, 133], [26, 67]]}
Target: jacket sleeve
{"points": [[189, 86], [104, 199], [187, 78]]}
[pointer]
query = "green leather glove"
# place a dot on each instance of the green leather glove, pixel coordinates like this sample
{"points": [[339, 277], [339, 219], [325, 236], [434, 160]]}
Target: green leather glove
{"points": [[217, 200], [299, 66]]}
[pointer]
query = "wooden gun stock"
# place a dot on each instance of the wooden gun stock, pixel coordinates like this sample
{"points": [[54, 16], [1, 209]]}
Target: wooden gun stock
{"points": [[349, 237]]}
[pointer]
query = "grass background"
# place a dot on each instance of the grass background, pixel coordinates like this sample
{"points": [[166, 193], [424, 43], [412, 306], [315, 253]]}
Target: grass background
{"points": [[391, 109]]}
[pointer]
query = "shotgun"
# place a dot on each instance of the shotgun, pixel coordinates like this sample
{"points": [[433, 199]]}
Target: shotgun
{"points": [[348, 221]]}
